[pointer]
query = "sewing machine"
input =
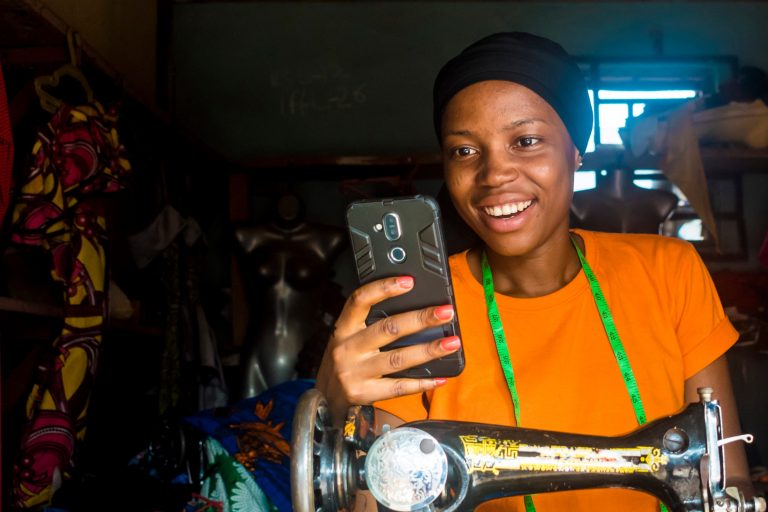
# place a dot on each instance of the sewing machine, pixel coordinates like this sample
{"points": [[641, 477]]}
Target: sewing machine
{"points": [[446, 466]]}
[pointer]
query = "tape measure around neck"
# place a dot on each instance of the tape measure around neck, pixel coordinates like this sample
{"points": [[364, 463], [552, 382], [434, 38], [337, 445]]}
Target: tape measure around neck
{"points": [[608, 324], [613, 338]]}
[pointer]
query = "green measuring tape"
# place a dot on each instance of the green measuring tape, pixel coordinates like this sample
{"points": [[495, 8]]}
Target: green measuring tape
{"points": [[610, 329]]}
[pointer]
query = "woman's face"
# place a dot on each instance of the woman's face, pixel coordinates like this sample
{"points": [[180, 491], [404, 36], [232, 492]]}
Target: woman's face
{"points": [[508, 162]]}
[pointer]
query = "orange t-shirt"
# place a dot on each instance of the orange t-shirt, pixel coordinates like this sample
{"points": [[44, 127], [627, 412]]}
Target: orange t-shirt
{"points": [[671, 324]]}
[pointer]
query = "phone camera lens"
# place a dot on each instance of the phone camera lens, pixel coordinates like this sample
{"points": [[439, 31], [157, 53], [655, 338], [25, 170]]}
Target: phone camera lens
{"points": [[397, 255], [392, 229]]}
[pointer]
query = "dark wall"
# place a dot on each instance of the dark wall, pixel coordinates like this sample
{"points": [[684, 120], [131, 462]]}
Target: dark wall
{"points": [[355, 77]]}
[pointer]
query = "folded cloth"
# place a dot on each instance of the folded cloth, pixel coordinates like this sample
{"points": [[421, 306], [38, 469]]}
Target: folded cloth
{"points": [[228, 486], [257, 432], [737, 123]]}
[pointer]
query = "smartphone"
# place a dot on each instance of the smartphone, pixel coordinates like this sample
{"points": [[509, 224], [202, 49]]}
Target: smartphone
{"points": [[403, 236]]}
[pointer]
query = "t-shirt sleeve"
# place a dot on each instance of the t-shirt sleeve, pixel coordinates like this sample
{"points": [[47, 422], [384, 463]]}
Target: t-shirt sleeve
{"points": [[703, 330]]}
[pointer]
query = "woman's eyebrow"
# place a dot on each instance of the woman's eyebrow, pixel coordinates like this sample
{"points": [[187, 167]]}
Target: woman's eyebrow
{"points": [[521, 122], [459, 132], [513, 124]]}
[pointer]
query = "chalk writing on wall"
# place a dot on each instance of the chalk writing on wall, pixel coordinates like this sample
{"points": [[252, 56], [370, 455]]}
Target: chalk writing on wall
{"points": [[323, 90]]}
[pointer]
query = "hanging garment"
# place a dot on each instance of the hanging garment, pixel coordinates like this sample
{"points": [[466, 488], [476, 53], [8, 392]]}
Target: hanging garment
{"points": [[6, 160], [191, 373], [6, 149], [674, 135], [189, 339], [75, 158], [683, 166]]}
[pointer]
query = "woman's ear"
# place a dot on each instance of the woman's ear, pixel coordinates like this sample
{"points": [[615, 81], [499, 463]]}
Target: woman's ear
{"points": [[577, 159]]}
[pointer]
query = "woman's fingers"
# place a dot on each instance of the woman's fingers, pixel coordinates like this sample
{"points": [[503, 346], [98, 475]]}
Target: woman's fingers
{"points": [[359, 303], [387, 330], [384, 389], [354, 369], [351, 321], [363, 381], [388, 362]]}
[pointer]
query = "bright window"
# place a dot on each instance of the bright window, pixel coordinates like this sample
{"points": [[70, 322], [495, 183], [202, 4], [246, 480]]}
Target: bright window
{"points": [[614, 107], [621, 89]]}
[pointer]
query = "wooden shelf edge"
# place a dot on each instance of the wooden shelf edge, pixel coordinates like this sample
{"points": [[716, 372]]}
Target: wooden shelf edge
{"points": [[30, 308]]}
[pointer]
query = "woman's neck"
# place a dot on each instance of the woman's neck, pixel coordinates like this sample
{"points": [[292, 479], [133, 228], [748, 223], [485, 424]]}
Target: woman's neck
{"points": [[539, 273]]}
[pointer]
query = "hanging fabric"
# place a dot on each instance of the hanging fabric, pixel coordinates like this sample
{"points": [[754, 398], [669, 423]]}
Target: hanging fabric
{"points": [[76, 158], [6, 149], [192, 376]]}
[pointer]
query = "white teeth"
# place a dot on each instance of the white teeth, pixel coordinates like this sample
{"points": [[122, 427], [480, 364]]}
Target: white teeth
{"points": [[507, 209]]}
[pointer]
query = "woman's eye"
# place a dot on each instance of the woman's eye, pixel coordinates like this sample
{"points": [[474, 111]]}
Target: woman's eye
{"points": [[464, 151], [527, 142]]}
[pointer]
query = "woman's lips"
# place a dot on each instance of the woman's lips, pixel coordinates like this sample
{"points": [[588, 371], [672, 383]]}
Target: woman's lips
{"points": [[507, 216], [507, 209]]}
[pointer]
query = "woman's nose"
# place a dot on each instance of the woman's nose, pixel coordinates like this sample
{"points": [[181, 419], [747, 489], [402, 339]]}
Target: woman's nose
{"points": [[499, 167]]}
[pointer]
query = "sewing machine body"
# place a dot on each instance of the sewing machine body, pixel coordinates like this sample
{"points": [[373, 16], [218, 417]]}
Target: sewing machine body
{"points": [[514, 461], [447, 466]]}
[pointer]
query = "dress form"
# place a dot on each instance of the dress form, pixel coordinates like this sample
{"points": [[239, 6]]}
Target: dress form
{"points": [[286, 265], [617, 205]]}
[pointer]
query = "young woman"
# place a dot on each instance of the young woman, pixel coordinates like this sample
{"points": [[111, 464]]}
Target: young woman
{"points": [[513, 119]]}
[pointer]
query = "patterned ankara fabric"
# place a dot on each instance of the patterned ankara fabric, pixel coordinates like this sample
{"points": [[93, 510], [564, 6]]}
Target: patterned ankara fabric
{"points": [[257, 433], [228, 486], [75, 157]]}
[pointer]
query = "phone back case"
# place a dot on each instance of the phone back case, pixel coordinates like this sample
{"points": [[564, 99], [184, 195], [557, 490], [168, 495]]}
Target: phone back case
{"points": [[403, 236]]}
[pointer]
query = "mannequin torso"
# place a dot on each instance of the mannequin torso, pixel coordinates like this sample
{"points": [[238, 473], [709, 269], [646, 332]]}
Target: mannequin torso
{"points": [[618, 205], [286, 265]]}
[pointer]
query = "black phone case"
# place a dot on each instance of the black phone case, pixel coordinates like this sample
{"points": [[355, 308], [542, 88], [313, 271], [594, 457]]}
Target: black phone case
{"points": [[377, 254]]}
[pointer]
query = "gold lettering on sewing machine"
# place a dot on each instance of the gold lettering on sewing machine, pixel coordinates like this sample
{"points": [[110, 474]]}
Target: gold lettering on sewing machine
{"points": [[349, 428], [488, 454]]}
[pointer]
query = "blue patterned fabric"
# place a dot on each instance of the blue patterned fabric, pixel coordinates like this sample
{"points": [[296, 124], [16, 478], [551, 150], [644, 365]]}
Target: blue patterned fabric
{"points": [[257, 433]]}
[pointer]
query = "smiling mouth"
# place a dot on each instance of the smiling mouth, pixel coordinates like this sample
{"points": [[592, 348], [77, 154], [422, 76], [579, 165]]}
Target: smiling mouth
{"points": [[508, 209]]}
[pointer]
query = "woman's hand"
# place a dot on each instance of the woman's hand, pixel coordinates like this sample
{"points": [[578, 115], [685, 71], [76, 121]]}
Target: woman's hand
{"points": [[353, 367]]}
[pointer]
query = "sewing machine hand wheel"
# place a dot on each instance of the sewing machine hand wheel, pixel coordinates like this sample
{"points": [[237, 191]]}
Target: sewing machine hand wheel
{"points": [[323, 477]]}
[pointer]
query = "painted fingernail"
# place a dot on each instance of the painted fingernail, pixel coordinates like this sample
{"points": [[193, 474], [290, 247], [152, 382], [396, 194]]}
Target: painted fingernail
{"points": [[405, 282], [440, 381], [451, 343], [444, 312]]}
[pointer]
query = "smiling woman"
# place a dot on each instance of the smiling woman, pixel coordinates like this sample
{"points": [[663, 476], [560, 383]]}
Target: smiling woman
{"points": [[566, 330], [504, 147]]}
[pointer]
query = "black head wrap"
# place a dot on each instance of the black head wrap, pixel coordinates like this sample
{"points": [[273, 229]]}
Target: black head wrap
{"points": [[539, 64]]}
